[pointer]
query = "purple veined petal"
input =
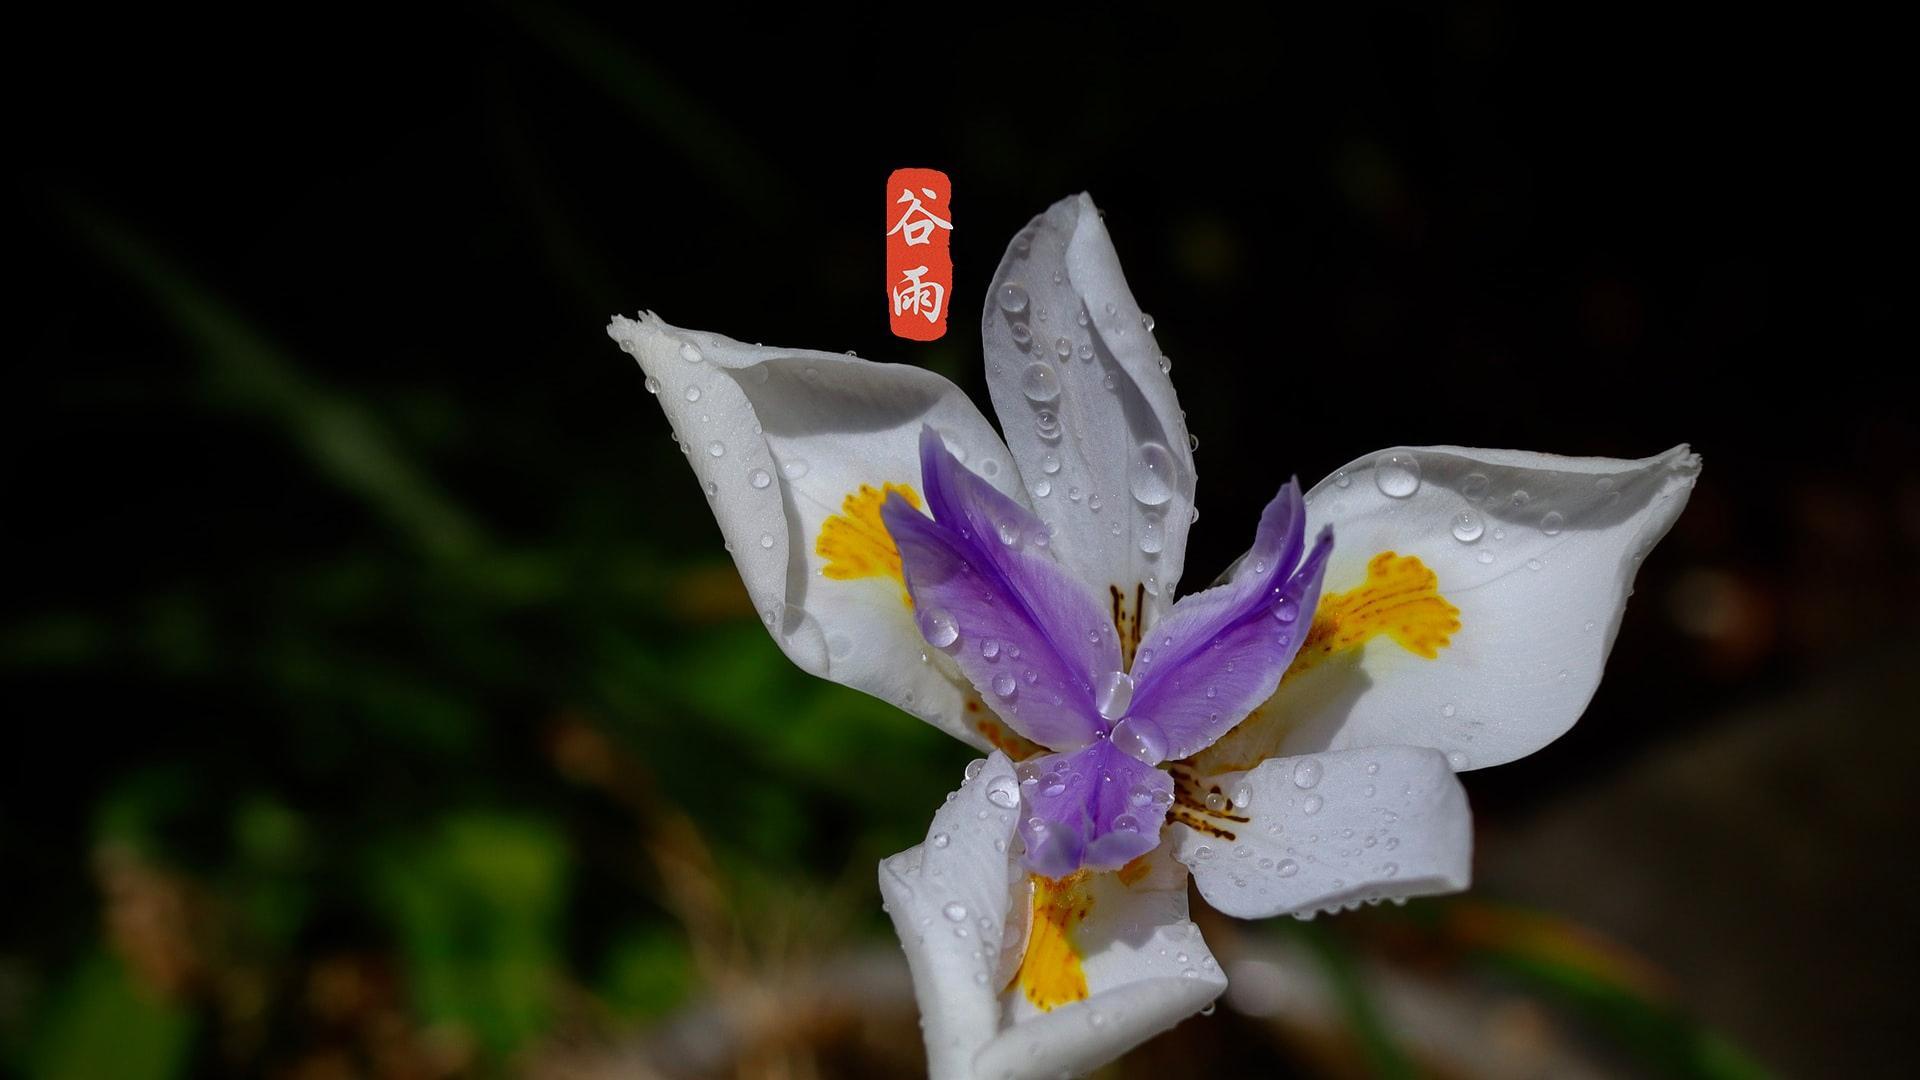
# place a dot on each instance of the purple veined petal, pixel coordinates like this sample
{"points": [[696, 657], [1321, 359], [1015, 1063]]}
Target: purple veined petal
{"points": [[1095, 807], [987, 592], [1220, 653]]}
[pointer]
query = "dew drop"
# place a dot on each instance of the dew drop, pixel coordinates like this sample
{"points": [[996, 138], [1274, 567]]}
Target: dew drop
{"points": [[1397, 475], [1042, 488], [1553, 523], [1457, 760], [941, 840], [1050, 463], [1003, 792], [955, 911], [794, 468], [1003, 684], [759, 479], [939, 628], [691, 353], [1312, 804], [1286, 609], [717, 448], [1112, 694], [652, 385], [1012, 297], [1152, 474], [1062, 348], [1306, 773], [990, 648], [1039, 382], [1287, 868], [1139, 741], [1467, 526], [1022, 334], [766, 540], [1151, 542], [693, 393]]}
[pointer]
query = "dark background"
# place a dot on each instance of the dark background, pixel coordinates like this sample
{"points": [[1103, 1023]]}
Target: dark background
{"points": [[383, 702]]}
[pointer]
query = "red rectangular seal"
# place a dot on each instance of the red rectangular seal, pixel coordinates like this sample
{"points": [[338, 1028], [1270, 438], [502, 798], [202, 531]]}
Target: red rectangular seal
{"points": [[919, 258]]}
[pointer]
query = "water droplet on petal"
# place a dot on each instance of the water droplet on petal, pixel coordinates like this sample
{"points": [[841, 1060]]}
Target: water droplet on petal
{"points": [[939, 628], [794, 468], [693, 393], [1306, 773], [1003, 684], [652, 385], [1553, 523], [1287, 868], [1003, 792], [717, 448], [759, 479], [1312, 804], [940, 840], [1139, 741], [1467, 526], [1397, 475], [691, 353], [1152, 475], [1012, 297], [1039, 382], [990, 648], [1112, 694], [955, 911]]}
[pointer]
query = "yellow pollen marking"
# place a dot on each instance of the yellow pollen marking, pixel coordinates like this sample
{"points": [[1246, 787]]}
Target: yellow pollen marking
{"points": [[855, 542], [1050, 973], [1400, 598]]}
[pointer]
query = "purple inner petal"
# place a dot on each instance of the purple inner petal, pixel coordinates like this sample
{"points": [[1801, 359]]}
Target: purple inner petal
{"points": [[987, 592], [1094, 807], [1220, 653]]}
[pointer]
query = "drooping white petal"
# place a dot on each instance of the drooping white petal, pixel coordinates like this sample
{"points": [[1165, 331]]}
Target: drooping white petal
{"points": [[950, 899], [1322, 830], [1146, 969], [778, 439], [1088, 409], [1536, 552]]}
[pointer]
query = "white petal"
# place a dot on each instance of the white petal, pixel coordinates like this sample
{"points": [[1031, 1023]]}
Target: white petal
{"points": [[1113, 474], [778, 438], [1337, 828], [1146, 967], [938, 893], [1538, 554]]}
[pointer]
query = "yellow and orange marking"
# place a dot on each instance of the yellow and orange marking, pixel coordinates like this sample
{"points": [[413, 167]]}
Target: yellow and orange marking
{"points": [[1400, 598], [1051, 974], [855, 542]]}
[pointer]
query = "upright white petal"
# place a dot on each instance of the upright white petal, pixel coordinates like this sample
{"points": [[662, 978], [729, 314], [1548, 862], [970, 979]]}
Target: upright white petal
{"points": [[1538, 555], [1147, 969], [1299, 834], [950, 898], [1088, 409], [778, 438]]}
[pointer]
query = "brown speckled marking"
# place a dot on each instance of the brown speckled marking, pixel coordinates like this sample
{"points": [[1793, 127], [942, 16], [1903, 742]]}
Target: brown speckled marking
{"points": [[1127, 622], [1190, 804]]}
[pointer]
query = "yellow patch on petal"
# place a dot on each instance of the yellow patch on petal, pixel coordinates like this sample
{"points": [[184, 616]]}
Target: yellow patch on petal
{"points": [[1400, 598], [1050, 973], [855, 542]]}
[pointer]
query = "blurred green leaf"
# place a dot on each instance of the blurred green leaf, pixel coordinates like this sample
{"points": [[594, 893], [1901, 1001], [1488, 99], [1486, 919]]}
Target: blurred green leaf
{"points": [[100, 1024], [647, 971], [476, 905]]}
